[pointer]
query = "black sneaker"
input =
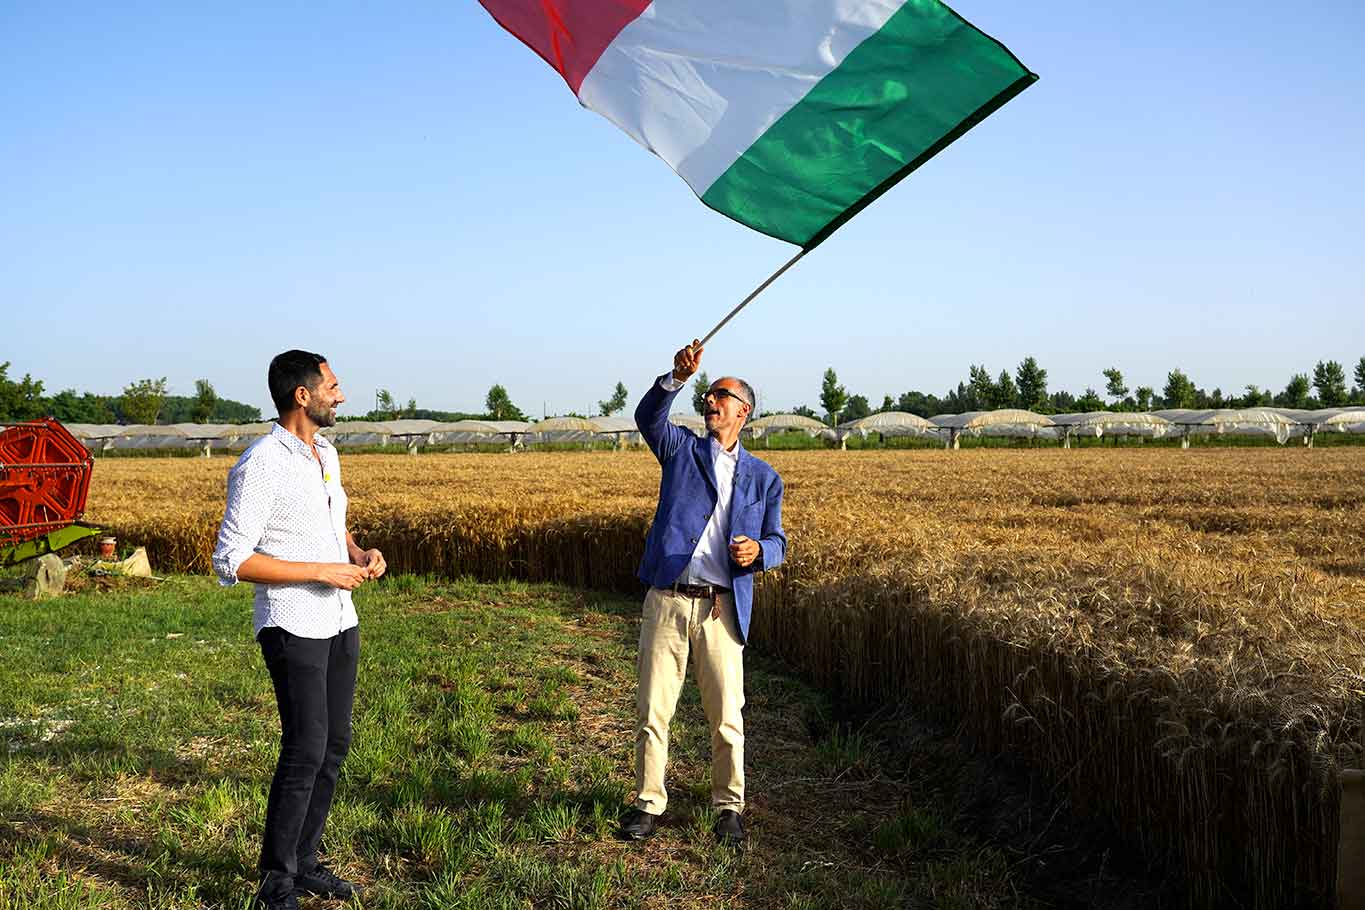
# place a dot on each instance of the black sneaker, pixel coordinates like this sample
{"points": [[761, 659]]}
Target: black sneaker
{"points": [[287, 902], [730, 829], [323, 882], [637, 824]]}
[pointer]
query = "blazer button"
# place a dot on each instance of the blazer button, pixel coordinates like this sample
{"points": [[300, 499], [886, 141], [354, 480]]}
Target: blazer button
{"points": [[694, 540]]}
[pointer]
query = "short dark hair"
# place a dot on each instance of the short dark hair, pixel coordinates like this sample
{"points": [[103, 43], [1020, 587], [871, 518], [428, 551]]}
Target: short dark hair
{"points": [[290, 370]]}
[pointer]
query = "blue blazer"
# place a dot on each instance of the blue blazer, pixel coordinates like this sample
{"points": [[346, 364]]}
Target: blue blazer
{"points": [[687, 496]]}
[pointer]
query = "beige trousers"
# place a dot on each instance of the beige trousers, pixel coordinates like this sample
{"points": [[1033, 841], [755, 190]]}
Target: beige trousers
{"points": [[674, 627]]}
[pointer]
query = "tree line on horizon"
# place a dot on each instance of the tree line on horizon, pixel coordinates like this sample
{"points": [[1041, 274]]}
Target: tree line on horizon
{"points": [[143, 401], [146, 401], [1027, 389], [497, 406]]}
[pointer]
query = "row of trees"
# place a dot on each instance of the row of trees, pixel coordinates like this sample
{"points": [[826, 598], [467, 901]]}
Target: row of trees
{"points": [[1027, 388], [144, 401], [147, 401], [498, 405]]}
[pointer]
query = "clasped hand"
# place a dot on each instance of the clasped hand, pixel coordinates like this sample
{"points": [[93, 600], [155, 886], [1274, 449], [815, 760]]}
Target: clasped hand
{"points": [[744, 550], [349, 576]]}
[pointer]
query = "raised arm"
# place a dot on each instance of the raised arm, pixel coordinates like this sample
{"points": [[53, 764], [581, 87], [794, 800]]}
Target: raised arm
{"points": [[651, 414]]}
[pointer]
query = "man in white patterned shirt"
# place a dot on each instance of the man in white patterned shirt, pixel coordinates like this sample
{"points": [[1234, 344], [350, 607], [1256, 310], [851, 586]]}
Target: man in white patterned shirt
{"points": [[285, 529]]}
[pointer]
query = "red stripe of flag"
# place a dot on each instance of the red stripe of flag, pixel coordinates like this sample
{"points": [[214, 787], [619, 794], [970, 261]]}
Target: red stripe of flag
{"points": [[569, 34]]}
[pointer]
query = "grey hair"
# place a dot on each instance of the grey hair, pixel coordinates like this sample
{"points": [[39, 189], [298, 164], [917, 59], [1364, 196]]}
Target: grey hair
{"points": [[751, 398], [749, 394]]}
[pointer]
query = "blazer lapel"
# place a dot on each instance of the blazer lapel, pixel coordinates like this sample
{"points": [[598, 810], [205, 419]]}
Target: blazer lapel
{"points": [[701, 451], [744, 480]]}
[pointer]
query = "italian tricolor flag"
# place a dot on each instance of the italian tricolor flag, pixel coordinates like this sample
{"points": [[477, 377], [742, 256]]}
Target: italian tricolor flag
{"points": [[788, 116]]}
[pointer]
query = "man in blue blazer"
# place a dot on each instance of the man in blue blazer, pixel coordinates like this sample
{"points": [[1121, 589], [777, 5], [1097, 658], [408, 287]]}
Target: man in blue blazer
{"points": [[719, 521]]}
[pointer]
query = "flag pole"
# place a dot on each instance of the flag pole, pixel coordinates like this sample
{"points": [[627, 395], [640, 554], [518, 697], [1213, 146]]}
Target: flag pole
{"points": [[759, 290]]}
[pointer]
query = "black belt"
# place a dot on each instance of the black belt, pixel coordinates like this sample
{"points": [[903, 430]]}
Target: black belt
{"points": [[710, 592]]}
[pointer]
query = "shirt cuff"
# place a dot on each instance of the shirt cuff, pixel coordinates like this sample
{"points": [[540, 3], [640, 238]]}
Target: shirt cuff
{"points": [[227, 562], [670, 384]]}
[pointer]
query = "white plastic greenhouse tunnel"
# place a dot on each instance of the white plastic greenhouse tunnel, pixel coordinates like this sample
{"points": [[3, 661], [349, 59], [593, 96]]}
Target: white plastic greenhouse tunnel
{"points": [[886, 423], [765, 427], [564, 430], [621, 429], [1096, 424], [1280, 424], [1234, 422], [1007, 422]]}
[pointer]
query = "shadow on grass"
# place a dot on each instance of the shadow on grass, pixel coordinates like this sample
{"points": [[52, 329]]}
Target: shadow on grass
{"points": [[139, 866]]}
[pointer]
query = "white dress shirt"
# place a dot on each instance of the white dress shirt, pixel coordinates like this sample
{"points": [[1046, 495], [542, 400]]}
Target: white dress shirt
{"points": [[710, 563], [283, 503]]}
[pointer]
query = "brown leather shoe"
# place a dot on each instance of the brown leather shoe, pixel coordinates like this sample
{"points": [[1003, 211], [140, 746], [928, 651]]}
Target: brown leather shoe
{"points": [[637, 824], [730, 829]]}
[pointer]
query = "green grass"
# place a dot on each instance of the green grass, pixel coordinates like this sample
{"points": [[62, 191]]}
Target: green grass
{"points": [[492, 756]]}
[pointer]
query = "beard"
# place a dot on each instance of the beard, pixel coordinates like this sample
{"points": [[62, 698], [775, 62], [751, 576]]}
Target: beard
{"points": [[321, 415]]}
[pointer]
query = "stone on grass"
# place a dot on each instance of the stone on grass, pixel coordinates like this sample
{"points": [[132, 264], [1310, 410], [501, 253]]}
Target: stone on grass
{"points": [[46, 578]]}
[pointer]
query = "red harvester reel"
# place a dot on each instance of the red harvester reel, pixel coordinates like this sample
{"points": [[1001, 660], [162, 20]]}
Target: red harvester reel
{"points": [[44, 479]]}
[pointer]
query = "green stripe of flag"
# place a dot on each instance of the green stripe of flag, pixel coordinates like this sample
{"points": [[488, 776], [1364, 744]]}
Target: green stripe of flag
{"points": [[895, 101]]}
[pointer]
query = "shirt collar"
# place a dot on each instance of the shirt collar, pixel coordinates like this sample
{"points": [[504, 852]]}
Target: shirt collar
{"points": [[295, 444], [718, 449]]}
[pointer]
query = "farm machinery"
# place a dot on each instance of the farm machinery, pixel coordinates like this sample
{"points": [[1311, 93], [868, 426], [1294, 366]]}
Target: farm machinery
{"points": [[44, 479]]}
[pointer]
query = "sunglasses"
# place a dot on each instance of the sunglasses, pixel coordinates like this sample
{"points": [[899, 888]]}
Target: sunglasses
{"points": [[721, 394]]}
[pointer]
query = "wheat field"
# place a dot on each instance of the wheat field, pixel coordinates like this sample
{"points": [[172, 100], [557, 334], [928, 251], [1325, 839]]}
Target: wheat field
{"points": [[1172, 638]]}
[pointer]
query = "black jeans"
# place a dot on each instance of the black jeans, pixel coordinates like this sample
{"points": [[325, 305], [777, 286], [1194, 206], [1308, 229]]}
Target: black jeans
{"points": [[314, 689]]}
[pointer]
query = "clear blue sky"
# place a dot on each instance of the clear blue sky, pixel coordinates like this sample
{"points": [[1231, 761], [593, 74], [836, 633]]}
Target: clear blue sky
{"points": [[184, 192]]}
